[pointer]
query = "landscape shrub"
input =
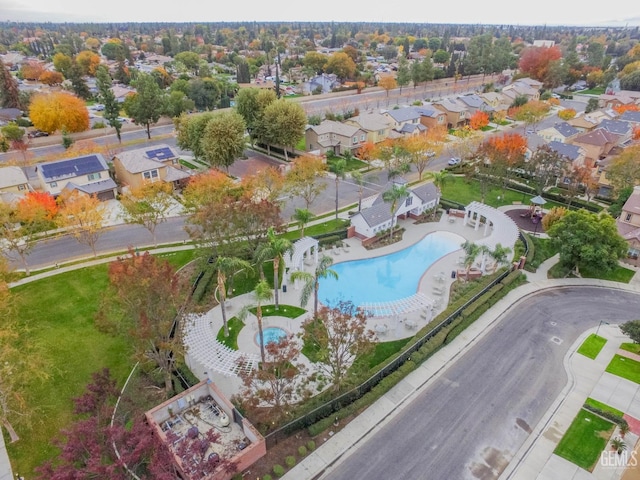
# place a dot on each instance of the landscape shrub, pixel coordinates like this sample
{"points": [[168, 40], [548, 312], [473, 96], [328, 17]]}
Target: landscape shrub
{"points": [[278, 470], [204, 285], [290, 461], [311, 445], [267, 477], [302, 451], [608, 415]]}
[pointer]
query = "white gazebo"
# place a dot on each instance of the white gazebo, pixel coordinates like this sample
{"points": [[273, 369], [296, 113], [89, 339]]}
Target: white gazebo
{"points": [[302, 249]]}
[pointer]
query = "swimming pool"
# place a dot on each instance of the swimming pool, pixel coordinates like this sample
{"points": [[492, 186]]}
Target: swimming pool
{"points": [[271, 335], [389, 277]]}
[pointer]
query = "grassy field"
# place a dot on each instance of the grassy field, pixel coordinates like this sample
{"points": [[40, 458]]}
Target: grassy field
{"points": [[618, 274], [465, 191], [631, 347], [235, 325], [585, 439], [625, 368], [59, 313], [288, 311], [352, 163], [604, 407], [592, 345]]}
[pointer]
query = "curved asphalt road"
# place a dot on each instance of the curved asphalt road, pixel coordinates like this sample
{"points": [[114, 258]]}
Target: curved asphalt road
{"points": [[469, 423]]}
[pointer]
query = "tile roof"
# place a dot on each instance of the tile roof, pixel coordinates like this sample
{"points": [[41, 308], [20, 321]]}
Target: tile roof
{"points": [[630, 116], [371, 122], [598, 137], [93, 188], [144, 159], [566, 130], [404, 114], [331, 126], [616, 126]]}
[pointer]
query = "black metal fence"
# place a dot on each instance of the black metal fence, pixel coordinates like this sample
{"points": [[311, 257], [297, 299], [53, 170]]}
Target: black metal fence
{"points": [[347, 398]]}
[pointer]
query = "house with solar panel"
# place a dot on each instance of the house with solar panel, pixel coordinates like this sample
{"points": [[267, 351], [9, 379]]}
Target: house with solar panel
{"points": [[88, 174], [149, 164]]}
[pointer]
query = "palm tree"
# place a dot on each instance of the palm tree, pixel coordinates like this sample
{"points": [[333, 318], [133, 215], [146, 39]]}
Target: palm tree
{"points": [[303, 216], [312, 282], [471, 251], [439, 179], [227, 266], [275, 248], [618, 445], [262, 293], [339, 169], [499, 254], [397, 192]]}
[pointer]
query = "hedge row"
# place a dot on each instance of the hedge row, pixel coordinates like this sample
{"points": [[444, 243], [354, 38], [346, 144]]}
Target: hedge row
{"points": [[204, 285], [608, 415]]}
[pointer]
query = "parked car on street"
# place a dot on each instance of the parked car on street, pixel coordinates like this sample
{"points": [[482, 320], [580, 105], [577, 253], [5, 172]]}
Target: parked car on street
{"points": [[454, 161], [37, 133]]}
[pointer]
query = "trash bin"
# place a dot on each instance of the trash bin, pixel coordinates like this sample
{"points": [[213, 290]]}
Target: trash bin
{"points": [[453, 274], [284, 288]]}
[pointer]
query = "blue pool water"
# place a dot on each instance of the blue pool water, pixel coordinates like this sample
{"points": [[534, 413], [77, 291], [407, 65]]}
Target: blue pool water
{"points": [[389, 277], [271, 334]]}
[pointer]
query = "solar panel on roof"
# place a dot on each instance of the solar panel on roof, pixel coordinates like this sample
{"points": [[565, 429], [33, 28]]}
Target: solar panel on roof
{"points": [[72, 167], [160, 153]]}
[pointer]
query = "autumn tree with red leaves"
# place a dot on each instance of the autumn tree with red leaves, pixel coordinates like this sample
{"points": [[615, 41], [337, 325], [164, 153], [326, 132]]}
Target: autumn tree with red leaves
{"points": [[281, 381], [504, 153], [536, 61], [144, 300], [479, 120]]}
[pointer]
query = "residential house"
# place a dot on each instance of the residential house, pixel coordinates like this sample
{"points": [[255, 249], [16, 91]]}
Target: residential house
{"points": [[121, 92], [631, 116], [572, 153], [605, 189], [335, 137], [618, 127], [406, 120], [475, 103], [598, 116], [377, 217], [597, 144], [149, 164], [497, 101], [457, 113], [432, 117], [523, 88], [189, 416], [582, 123], [88, 174], [324, 83], [559, 132], [378, 127], [618, 100], [629, 226], [13, 180]]}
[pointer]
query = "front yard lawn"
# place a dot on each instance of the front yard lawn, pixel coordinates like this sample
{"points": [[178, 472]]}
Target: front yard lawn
{"points": [[585, 439], [618, 274], [592, 345], [352, 163], [604, 407], [625, 368], [235, 325]]}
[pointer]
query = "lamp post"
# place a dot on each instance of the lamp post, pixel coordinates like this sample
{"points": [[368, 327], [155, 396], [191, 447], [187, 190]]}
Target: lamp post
{"points": [[601, 322]]}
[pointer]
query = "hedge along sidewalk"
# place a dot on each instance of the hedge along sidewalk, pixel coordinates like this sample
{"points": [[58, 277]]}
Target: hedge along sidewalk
{"points": [[388, 406]]}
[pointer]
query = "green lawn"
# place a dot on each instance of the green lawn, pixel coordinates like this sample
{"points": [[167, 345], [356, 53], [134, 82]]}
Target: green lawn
{"points": [[585, 439], [59, 313], [235, 325], [543, 250], [352, 163], [631, 347], [593, 91], [625, 368], [618, 274], [188, 164], [382, 351], [604, 407], [465, 191], [302, 144], [592, 345], [288, 311]]}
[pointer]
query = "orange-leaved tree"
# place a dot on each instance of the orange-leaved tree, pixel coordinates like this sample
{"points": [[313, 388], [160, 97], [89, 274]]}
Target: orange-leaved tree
{"points": [[388, 83], [479, 120], [83, 215], [88, 62], [54, 111], [535, 61], [505, 152], [51, 78], [632, 107], [32, 70], [302, 179], [37, 207], [366, 151]]}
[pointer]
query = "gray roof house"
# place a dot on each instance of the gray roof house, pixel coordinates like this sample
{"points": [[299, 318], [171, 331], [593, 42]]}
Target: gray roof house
{"points": [[560, 132], [377, 217], [573, 153], [14, 180], [149, 164], [325, 83], [475, 103], [335, 137], [406, 120], [618, 127], [630, 116], [81, 173]]}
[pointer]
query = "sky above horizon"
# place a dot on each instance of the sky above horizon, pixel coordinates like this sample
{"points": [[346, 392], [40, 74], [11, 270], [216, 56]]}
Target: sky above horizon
{"points": [[549, 12]]}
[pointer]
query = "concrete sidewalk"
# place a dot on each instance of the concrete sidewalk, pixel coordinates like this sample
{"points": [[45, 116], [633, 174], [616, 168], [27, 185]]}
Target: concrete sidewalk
{"points": [[531, 458]]}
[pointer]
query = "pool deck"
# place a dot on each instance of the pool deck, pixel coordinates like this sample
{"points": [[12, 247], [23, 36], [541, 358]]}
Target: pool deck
{"points": [[435, 280]]}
